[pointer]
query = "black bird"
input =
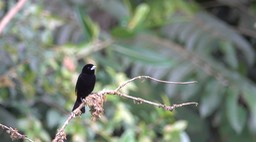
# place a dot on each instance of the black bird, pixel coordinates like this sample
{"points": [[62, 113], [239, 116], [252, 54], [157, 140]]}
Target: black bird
{"points": [[84, 85]]}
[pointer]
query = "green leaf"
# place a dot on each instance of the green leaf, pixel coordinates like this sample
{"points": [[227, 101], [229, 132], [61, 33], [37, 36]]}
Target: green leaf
{"points": [[144, 55], [91, 29], [179, 125], [189, 91], [128, 136], [123, 115], [249, 92], [178, 73], [121, 32], [184, 7], [140, 15], [236, 114], [160, 13], [34, 128], [230, 54], [210, 101]]}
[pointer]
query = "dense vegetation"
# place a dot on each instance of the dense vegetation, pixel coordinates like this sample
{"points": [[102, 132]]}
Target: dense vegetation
{"points": [[45, 45]]}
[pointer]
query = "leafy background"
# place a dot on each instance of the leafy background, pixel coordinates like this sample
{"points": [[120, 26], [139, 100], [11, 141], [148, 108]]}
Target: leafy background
{"points": [[213, 42]]}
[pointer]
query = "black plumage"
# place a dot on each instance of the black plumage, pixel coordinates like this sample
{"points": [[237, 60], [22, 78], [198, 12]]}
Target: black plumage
{"points": [[85, 84]]}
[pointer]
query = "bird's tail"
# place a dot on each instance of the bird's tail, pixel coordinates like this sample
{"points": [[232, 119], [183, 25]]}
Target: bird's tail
{"points": [[77, 104]]}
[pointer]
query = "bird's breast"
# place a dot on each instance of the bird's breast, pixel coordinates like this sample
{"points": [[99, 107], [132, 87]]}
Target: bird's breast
{"points": [[85, 84]]}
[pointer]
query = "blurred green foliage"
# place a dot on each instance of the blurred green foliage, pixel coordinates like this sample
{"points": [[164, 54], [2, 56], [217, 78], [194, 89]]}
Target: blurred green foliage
{"points": [[44, 47]]}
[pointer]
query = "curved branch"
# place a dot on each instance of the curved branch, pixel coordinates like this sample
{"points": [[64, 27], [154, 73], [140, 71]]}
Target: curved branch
{"points": [[95, 102]]}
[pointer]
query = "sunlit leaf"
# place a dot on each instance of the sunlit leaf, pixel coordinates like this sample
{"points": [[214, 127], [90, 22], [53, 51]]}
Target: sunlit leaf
{"points": [[139, 16], [121, 32]]}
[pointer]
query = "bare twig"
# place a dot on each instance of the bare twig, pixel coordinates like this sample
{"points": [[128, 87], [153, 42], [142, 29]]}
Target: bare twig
{"points": [[157, 80], [95, 102], [11, 14], [14, 134], [169, 108], [61, 136]]}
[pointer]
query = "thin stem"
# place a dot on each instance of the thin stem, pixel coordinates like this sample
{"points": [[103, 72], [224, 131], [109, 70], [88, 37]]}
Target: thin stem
{"points": [[11, 14], [170, 108], [151, 78]]}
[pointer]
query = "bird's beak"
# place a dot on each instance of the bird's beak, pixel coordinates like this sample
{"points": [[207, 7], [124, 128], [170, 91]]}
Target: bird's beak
{"points": [[93, 68]]}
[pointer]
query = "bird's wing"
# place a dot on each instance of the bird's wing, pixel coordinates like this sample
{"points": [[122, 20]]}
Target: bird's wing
{"points": [[77, 83]]}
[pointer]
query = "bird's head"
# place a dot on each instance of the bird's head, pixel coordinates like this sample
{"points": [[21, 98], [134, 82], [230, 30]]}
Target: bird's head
{"points": [[89, 69]]}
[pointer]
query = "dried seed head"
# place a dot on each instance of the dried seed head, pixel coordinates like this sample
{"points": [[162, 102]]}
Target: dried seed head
{"points": [[95, 103]]}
